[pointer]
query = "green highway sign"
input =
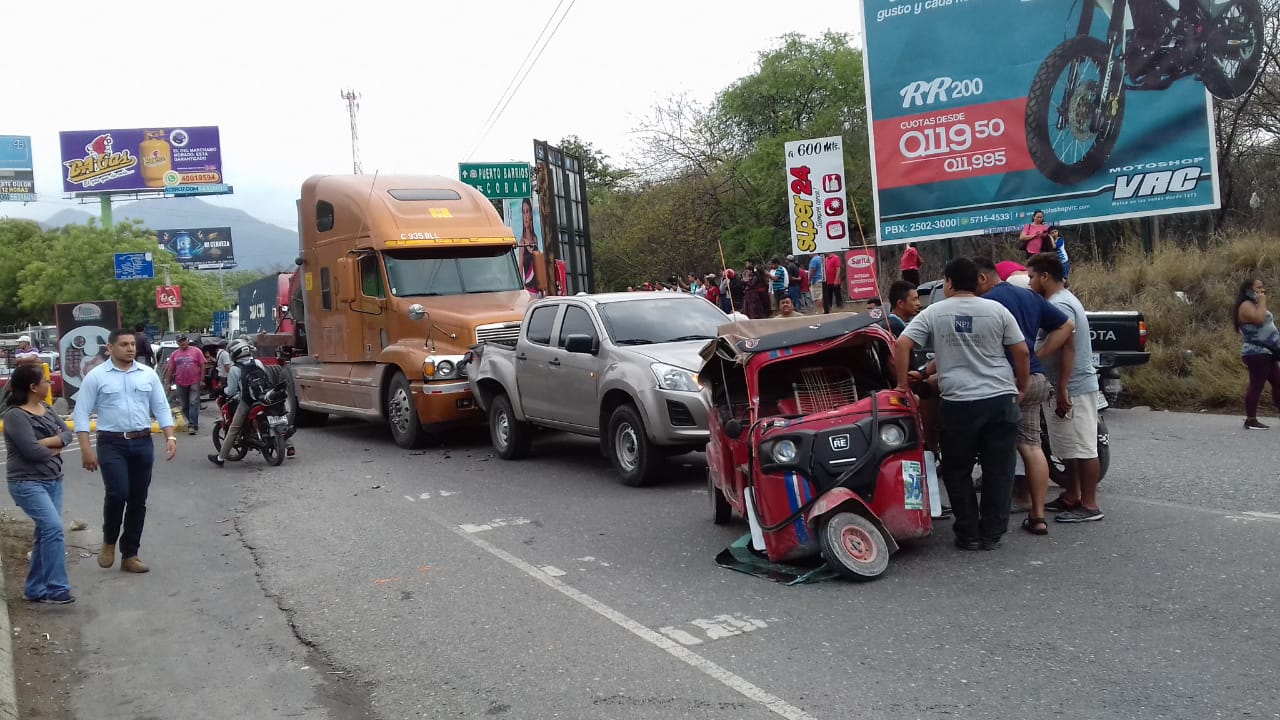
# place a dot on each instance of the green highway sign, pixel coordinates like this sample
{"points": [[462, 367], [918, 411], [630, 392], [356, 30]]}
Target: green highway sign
{"points": [[498, 180]]}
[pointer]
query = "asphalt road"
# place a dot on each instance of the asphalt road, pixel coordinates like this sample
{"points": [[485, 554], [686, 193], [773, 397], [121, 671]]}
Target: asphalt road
{"points": [[446, 583]]}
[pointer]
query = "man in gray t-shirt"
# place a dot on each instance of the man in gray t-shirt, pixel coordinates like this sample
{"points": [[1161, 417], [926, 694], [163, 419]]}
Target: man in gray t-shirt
{"points": [[979, 413]]}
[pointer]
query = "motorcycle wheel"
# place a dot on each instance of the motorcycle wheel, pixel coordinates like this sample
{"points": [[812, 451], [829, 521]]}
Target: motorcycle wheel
{"points": [[238, 452], [1058, 469], [1071, 153], [853, 546], [274, 450], [1233, 50]]}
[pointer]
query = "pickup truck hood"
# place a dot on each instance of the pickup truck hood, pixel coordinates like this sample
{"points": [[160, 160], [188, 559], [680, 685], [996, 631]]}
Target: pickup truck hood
{"points": [[682, 354]]}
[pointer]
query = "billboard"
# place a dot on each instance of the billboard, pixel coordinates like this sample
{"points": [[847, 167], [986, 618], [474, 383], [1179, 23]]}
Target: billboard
{"points": [[199, 248], [138, 160], [17, 180], [815, 183], [1003, 116], [860, 274], [83, 329]]}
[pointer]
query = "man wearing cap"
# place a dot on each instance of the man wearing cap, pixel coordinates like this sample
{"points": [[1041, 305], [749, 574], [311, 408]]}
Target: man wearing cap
{"points": [[26, 351], [186, 370]]}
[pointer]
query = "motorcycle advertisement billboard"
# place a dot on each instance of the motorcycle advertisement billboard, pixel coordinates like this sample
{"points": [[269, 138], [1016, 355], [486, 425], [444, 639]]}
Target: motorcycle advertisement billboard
{"points": [[139, 160], [199, 248], [816, 195], [982, 113], [83, 330], [17, 178]]}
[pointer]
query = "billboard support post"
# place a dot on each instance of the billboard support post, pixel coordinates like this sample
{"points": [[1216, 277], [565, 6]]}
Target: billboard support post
{"points": [[169, 283], [104, 202]]}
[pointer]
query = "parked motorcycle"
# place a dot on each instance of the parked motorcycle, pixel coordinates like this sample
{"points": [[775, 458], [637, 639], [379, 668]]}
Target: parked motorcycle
{"points": [[266, 427], [1076, 102]]}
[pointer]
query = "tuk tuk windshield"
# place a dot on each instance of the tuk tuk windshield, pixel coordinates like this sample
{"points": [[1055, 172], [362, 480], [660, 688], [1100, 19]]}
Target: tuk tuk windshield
{"points": [[662, 320], [451, 271]]}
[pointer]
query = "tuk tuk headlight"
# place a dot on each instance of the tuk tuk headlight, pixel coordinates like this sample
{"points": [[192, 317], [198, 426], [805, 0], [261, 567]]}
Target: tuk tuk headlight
{"points": [[671, 377], [892, 435], [785, 451]]}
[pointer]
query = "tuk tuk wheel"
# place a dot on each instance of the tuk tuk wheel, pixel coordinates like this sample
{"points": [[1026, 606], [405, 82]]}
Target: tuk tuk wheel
{"points": [[721, 510], [511, 438], [854, 547], [633, 456]]}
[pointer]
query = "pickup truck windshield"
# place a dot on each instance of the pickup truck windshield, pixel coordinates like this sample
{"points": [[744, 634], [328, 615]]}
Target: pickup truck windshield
{"points": [[649, 322], [451, 271]]}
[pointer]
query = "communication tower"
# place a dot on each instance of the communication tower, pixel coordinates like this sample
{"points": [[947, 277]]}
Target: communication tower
{"points": [[353, 107]]}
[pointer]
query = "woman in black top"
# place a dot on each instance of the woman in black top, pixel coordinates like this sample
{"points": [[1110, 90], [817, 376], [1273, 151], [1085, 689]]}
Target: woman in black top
{"points": [[35, 436]]}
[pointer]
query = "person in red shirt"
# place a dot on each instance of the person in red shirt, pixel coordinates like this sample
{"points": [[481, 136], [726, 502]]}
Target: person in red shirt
{"points": [[186, 370], [910, 264], [831, 283], [713, 289]]}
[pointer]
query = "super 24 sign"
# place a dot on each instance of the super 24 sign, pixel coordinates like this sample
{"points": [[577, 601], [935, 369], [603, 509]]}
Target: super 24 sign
{"points": [[815, 177]]}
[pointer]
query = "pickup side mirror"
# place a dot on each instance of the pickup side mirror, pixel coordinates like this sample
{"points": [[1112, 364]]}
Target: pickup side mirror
{"points": [[581, 344]]}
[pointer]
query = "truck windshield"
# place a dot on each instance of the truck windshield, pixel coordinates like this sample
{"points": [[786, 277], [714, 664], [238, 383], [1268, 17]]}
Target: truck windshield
{"points": [[451, 271], [649, 322]]}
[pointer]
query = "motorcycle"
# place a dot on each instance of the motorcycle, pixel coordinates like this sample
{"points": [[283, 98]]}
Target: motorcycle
{"points": [[1076, 102], [266, 427]]}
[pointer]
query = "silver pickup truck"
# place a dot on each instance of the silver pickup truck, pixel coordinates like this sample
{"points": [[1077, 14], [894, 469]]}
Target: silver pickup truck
{"points": [[621, 367]]}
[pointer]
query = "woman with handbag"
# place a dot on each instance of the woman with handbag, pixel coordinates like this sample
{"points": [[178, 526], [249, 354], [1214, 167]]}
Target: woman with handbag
{"points": [[35, 436], [1261, 348]]}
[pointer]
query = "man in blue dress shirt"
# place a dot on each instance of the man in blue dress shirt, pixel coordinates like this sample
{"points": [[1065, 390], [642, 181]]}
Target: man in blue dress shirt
{"points": [[125, 394]]}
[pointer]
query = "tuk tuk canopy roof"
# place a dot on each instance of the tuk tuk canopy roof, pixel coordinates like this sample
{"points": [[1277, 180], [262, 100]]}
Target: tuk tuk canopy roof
{"points": [[738, 341]]}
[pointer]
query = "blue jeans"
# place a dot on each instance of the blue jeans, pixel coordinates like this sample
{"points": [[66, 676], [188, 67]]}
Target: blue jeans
{"points": [[42, 501], [126, 473], [189, 401]]}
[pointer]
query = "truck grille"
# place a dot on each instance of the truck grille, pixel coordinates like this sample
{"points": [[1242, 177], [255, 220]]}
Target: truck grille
{"points": [[508, 332]]}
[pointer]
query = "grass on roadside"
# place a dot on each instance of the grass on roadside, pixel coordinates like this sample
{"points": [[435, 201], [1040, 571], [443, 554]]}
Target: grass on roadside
{"points": [[1195, 350]]}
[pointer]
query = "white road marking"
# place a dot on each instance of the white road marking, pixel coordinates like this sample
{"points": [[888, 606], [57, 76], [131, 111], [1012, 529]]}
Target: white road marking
{"points": [[409, 498], [679, 636], [729, 679], [72, 449], [723, 626], [425, 496], [1264, 515], [499, 522], [553, 571], [447, 493]]}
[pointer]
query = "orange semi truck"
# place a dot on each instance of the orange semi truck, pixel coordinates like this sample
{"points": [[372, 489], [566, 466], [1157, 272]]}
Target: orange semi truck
{"points": [[398, 277]]}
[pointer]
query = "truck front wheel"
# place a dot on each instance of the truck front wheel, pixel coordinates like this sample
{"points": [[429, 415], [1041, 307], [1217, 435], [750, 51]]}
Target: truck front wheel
{"points": [[402, 415], [637, 461]]}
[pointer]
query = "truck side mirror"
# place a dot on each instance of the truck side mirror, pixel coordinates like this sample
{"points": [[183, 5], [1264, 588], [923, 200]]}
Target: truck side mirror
{"points": [[581, 344], [347, 280]]}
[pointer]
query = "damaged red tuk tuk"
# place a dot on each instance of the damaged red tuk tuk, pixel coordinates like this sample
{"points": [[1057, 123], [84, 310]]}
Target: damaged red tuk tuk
{"points": [[811, 444]]}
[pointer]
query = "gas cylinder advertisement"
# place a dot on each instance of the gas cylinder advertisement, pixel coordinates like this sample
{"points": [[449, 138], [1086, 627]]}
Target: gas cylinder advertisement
{"points": [[141, 159], [199, 248], [83, 329]]}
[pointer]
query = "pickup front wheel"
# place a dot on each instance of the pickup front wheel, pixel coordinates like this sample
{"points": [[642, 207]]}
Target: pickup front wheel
{"points": [[634, 457], [511, 437]]}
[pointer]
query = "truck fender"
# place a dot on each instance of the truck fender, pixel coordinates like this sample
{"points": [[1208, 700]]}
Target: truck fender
{"points": [[845, 500], [486, 388]]}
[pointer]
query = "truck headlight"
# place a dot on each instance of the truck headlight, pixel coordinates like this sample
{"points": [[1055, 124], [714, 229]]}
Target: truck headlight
{"points": [[441, 367], [784, 451], [444, 369], [671, 377]]}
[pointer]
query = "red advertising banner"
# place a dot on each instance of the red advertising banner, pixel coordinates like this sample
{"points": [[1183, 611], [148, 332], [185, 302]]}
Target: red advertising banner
{"points": [[168, 296], [860, 274], [944, 145]]}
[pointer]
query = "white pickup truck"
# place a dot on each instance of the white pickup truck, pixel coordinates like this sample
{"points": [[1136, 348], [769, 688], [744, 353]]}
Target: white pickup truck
{"points": [[621, 367]]}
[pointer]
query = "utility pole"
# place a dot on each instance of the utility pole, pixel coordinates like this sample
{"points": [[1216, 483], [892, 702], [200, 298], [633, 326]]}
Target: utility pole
{"points": [[167, 283], [353, 106]]}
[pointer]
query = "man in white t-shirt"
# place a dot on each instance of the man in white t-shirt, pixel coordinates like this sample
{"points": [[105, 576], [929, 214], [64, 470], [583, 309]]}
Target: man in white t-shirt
{"points": [[980, 391]]}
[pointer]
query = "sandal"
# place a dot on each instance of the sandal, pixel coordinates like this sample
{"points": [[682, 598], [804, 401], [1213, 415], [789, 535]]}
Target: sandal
{"points": [[1035, 525]]}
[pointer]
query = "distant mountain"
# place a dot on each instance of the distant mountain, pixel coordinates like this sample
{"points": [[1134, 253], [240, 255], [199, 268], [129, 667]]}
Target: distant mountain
{"points": [[258, 245]]}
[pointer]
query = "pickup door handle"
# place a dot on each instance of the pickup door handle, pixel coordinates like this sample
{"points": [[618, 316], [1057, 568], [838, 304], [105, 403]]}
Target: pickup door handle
{"points": [[555, 362], [521, 357]]}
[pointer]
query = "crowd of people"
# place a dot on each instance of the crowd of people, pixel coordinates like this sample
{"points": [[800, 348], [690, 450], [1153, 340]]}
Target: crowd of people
{"points": [[780, 287]]}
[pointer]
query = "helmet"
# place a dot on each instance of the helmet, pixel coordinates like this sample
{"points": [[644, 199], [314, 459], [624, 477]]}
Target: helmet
{"points": [[240, 350]]}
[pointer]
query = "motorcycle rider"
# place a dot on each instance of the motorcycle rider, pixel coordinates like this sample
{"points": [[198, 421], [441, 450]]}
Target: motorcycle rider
{"points": [[243, 364]]}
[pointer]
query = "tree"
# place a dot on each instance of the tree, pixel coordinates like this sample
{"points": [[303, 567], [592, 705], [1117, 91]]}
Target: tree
{"points": [[75, 263], [601, 175]]}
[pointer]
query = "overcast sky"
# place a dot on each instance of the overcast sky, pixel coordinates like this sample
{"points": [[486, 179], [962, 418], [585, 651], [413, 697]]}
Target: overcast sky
{"points": [[269, 74]]}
